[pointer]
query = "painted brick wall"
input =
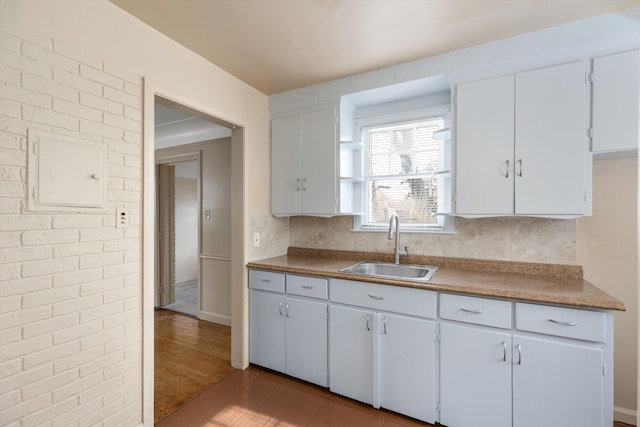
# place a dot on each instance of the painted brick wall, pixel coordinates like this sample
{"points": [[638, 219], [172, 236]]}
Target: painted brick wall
{"points": [[70, 283]]}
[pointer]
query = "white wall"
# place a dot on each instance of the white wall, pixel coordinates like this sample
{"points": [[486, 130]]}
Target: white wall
{"points": [[70, 295], [608, 252], [70, 283]]}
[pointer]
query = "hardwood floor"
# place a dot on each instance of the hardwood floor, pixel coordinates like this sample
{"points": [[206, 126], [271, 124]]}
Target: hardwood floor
{"points": [[190, 356], [257, 397], [250, 397]]}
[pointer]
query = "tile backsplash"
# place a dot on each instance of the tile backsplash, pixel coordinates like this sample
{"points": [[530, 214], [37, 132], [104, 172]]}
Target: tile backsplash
{"points": [[522, 239], [274, 236], [551, 241]]}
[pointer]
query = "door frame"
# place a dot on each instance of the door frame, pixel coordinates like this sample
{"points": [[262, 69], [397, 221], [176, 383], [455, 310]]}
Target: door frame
{"points": [[166, 269], [239, 225]]}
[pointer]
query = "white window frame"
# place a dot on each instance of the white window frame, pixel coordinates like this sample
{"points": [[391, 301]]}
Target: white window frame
{"points": [[445, 222]]}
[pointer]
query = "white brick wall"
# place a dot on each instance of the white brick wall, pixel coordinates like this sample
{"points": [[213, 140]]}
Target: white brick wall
{"points": [[70, 287]]}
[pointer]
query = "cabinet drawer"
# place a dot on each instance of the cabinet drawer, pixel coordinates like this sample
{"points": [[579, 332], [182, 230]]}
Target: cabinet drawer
{"points": [[413, 302], [480, 311], [563, 322], [266, 280], [313, 287]]}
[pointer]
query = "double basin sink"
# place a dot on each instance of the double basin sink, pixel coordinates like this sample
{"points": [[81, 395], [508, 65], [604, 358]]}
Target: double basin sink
{"points": [[421, 273]]}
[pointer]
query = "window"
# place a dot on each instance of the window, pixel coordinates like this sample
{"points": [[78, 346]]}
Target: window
{"points": [[406, 171]]}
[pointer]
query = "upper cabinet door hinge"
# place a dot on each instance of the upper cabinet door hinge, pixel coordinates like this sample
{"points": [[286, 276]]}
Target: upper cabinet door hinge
{"points": [[588, 78]]}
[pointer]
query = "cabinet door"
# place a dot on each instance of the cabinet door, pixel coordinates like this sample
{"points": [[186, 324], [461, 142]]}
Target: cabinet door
{"points": [[351, 352], [616, 85], [306, 340], [556, 384], [475, 377], [266, 330], [551, 144], [407, 366], [319, 159], [484, 146], [286, 175]]}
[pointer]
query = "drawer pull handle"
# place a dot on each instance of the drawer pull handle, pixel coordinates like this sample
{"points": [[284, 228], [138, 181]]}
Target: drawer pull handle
{"points": [[519, 347], [558, 322], [467, 310], [504, 351], [280, 309], [376, 297], [368, 319], [307, 287], [265, 280]]}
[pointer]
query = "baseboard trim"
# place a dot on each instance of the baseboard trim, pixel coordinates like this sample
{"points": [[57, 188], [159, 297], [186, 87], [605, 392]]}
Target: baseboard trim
{"points": [[215, 318], [628, 416]]}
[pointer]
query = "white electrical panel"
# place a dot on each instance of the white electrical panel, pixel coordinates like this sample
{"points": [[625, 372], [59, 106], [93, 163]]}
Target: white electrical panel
{"points": [[66, 173]]}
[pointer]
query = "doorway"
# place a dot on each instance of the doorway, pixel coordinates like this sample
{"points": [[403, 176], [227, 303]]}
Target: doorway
{"points": [[178, 230], [234, 161]]}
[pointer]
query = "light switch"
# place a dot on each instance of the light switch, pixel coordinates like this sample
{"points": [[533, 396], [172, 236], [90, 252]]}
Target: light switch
{"points": [[207, 214], [256, 240], [122, 218]]}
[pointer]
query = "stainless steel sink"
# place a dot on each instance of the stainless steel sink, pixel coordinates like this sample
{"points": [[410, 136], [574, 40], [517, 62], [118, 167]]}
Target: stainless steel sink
{"points": [[422, 273]]}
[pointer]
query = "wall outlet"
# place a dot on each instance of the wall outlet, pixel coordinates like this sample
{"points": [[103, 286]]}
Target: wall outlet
{"points": [[122, 218], [256, 240]]}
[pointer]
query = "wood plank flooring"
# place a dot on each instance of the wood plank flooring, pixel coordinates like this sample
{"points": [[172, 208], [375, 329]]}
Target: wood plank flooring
{"points": [[190, 356], [256, 396]]}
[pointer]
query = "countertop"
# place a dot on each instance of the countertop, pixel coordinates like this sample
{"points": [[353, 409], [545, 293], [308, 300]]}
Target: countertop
{"points": [[533, 282]]}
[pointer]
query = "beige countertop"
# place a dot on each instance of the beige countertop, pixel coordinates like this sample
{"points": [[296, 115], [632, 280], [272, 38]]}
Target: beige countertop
{"points": [[544, 283]]}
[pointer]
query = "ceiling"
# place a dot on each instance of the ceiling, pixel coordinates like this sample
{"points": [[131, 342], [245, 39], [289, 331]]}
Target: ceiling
{"points": [[279, 45]]}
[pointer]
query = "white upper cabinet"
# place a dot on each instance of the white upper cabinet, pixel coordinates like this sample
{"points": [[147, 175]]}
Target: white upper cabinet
{"points": [[485, 129], [615, 102], [551, 141], [521, 144], [304, 173]]}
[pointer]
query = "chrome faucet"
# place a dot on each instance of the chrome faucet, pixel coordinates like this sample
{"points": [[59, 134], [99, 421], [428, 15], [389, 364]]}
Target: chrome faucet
{"points": [[395, 222]]}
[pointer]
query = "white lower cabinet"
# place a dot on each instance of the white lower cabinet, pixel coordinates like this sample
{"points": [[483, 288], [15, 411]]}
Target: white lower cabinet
{"points": [[289, 333], [475, 376], [549, 369], [406, 366], [557, 384], [474, 362], [381, 358], [266, 330], [351, 352]]}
